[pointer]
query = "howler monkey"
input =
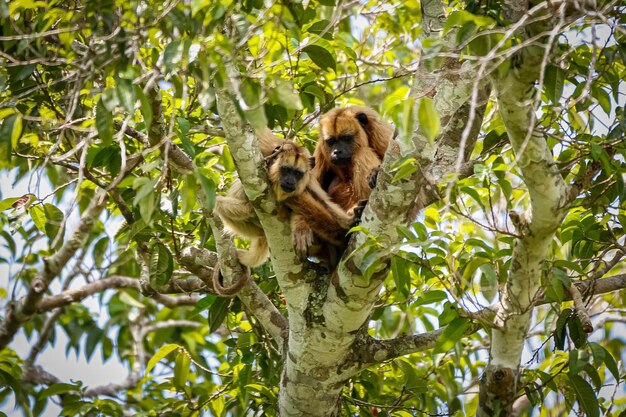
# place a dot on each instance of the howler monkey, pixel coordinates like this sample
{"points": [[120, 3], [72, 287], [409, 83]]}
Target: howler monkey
{"points": [[298, 194], [352, 143]]}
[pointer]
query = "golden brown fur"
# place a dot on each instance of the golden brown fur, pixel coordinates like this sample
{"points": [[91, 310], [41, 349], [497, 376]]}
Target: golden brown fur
{"points": [[312, 212], [348, 184]]}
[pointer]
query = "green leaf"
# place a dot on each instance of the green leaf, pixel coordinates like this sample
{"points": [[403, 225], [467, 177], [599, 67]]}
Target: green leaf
{"points": [[161, 265], [181, 369], [94, 336], [145, 198], [127, 299], [263, 390], [147, 207], [611, 365], [126, 94], [209, 191], [203, 304], [412, 380], [320, 54], [428, 118], [560, 332], [6, 133], [54, 220], [553, 83], [104, 123], [603, 98], [400, 273], [371, 263], [452, 334], [56, 389], [217, 313], [460, 17], [7, 203], [39, 217], [99, 249], [403, 168], [576, 332], [16, 132], [488, 282], [429, 297], [109, 99], [256, 117], [144, 187], [323, 28], [575, 366], [285, 95], [593, 376], [173, 54], [601, 355], [160, 354], [585, 395], [146, 109]]}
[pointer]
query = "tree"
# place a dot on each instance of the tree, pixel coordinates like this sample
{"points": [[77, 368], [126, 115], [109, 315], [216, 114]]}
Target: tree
{"points": [[496, 226]]}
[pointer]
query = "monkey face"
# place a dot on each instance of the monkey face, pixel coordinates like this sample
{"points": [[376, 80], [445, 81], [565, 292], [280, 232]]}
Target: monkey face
{"points": [[341, 149], [289, 178], [289, 170], [343, 132]]}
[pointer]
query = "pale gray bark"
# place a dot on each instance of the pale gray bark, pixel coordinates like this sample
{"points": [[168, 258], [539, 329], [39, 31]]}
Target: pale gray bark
{"points": [[516, 95], [325, 338]]}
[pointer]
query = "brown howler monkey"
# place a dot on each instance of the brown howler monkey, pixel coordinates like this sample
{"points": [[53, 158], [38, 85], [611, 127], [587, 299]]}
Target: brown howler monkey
{"points": [[312, 212], [353, 141]]}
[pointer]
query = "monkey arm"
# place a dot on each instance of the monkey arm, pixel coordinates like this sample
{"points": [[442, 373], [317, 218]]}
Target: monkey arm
{"points": [[238, 216], [301, 235], [326, 219], [267, 141]]}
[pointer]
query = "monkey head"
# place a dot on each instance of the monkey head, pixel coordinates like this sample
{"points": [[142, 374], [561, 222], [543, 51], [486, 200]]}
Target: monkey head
{"points": [[343, 131], [289, 170]]}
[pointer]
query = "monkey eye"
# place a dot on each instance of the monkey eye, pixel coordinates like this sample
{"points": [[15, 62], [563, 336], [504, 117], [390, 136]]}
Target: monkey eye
{"points": [[294, 172], [331, 140], [346, 138]]}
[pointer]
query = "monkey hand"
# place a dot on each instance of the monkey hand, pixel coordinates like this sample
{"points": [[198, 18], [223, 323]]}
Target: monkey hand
{"points": [[358, 212], [373, 177], [302, 238]]}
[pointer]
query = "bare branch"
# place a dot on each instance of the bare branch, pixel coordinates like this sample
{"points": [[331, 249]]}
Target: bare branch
{"points": [[79, 294], [173, 302], [581, 310], [160, 325]]}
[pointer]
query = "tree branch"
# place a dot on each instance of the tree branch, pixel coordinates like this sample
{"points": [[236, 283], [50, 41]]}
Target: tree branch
{"points": [[20, 311], [197, 260], [515, 93], [391, 203], [175, 286], [369, 351], [251, 168], [157, 135]]}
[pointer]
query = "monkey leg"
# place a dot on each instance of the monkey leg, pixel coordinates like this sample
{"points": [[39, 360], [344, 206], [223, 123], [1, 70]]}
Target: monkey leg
{"points": [[238, 216]]}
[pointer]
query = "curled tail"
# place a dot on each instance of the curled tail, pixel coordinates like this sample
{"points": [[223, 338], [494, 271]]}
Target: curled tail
{"points": [[257, 254]]}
